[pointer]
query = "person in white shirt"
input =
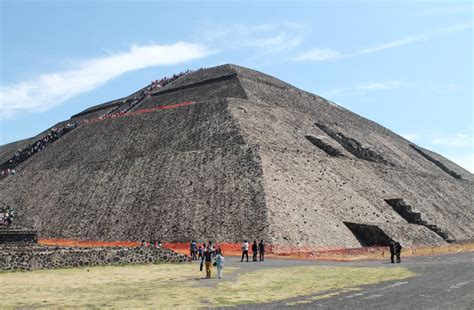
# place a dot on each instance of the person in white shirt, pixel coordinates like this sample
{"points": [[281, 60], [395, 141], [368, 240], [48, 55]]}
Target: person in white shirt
{"points": [[219, 263], [245, 251]]}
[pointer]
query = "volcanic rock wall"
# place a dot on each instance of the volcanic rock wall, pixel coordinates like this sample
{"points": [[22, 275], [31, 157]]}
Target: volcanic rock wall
{"points": [[44, 257]]}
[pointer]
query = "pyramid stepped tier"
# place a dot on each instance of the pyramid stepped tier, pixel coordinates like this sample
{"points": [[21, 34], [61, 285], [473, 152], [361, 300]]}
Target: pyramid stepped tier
{"points": [[247, 157], [408, 214]]}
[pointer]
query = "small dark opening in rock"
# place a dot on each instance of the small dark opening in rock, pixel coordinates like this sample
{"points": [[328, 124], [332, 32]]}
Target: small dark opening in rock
{"points": [[369, 235]]}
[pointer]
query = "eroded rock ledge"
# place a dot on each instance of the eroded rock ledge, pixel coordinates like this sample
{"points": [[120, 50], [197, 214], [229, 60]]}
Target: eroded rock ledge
{"points": [[353, 146]]}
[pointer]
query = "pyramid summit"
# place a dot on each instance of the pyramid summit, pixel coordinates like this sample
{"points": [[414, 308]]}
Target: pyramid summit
{"points": [[226, 154]]}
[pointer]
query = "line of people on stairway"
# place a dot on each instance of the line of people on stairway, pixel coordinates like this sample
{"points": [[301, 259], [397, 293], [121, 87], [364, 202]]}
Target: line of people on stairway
{"points": [[7, 168], [166, 80], [46, 139], [129, 104], [6, 172]]}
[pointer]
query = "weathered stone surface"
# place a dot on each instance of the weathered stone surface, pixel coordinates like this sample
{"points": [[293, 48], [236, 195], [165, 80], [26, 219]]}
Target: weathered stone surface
{"points": [[235, 165]]}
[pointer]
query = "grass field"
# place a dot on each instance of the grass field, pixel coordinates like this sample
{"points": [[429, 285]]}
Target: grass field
{"points": [[167, 286]]}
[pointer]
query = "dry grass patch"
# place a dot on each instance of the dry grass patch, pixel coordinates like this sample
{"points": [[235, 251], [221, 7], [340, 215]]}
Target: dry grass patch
{"points": [[283, 283], [178, 286]]}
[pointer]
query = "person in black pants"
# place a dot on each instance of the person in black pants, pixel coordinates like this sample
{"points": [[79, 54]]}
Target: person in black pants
{"points": [[398, 250], [191, 250], [254, 250], [392, 251], [261, 250], [245, 251]]}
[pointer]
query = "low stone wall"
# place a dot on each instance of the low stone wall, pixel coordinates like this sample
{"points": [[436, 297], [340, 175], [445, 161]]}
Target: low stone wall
{"points": [[26, 257]]}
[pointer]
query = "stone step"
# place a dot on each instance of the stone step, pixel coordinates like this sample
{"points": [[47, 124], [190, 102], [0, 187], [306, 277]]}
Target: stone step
{"points": [[17, 234]]}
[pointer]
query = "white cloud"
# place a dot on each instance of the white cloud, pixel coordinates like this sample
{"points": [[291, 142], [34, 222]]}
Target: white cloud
{"points": [[318, 54], [440, 88], [52, 89], [379, 85], [456, 140], [269, 38], [231, 33], [414, 38], [277, 43], [363, 87], [447, 10]]}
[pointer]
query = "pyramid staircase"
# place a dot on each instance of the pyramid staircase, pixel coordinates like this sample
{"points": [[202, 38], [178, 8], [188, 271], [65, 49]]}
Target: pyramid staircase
{"points": [[126, 107], [413, 217]]}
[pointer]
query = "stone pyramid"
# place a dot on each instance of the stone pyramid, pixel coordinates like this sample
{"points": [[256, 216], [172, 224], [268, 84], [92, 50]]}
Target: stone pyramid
{"points": [[228, 153]]}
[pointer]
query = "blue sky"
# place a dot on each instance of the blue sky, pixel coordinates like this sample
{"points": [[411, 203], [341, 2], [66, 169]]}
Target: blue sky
{"points": [[406, 65]]}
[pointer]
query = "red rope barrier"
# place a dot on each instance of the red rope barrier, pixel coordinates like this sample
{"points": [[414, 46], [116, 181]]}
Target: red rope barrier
{"points": [[141, 111]]}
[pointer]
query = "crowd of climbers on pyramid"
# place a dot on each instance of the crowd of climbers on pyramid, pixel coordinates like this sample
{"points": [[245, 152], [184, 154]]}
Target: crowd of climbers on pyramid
{"points": [[7, 168], [40, 144], [129, 104], [6, 217], [6, 172]]}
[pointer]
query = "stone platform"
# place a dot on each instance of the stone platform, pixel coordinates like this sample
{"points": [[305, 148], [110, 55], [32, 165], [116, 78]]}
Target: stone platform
{"points": [[15, 234]]}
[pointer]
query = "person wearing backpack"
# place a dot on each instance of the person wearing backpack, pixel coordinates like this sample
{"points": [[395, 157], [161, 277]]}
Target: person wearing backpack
{"points": [[219, 263]]}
